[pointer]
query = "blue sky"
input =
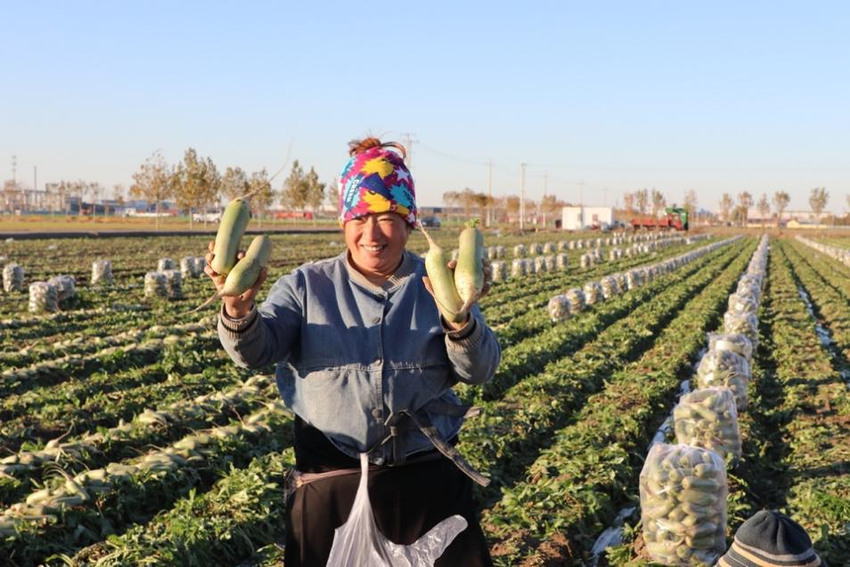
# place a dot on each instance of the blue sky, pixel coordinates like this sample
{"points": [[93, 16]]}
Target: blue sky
{"points": [[716, 97]]}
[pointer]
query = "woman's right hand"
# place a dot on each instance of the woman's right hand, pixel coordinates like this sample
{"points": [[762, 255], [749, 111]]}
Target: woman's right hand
{"points": [[240, 305]]}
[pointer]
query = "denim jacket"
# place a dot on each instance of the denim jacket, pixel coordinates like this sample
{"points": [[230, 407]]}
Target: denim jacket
{"points": [[348, 353]]}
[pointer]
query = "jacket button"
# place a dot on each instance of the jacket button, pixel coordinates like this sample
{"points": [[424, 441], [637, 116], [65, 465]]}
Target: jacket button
{"points": [[376, 320], [376, 413]]}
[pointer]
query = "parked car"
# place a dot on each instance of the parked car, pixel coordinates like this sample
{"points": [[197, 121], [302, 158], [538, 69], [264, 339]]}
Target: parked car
{"points": [[207, 217], [430, 222]]}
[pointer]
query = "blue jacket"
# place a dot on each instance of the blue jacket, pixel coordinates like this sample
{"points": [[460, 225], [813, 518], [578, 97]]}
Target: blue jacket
{"points": [[350, 353]]}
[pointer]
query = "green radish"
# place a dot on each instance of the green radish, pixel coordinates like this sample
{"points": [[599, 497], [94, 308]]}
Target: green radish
{"points": [[469, 272], [246, 271], [233, 223], [442, 281]]}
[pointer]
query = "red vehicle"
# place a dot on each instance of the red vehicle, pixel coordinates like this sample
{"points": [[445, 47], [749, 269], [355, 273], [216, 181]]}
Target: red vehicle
{"points": [[676, 219], [307, 215]]}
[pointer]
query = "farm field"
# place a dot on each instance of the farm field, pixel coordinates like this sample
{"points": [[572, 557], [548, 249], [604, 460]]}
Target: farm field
{"points": [[127, 436]]}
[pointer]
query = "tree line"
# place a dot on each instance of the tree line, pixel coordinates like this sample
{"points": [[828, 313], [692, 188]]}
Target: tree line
{"points": [[497, 208], [653, 201], [195, 184], [737, 212]]}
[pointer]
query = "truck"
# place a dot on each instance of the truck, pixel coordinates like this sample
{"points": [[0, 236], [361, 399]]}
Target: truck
{"points": [[676, 218]]}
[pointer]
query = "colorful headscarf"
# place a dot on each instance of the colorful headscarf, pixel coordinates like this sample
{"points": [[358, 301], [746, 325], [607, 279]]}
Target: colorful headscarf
{"points": [[376, 181]]}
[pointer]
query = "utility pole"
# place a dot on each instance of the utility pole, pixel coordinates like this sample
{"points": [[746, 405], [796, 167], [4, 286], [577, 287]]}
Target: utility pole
{"points": [[543, 202], [14, 170], [522, 199], [35, 177], [408, 145], [490, 192]]}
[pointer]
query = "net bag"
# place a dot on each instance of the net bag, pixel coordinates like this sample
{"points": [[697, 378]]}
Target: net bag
{"points": [[683, 505]]}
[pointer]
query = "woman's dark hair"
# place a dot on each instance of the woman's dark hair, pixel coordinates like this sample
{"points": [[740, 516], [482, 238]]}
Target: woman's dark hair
{"points": [[359, 146]]}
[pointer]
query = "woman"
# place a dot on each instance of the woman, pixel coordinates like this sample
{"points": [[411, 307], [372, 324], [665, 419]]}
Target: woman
{"points": [[366, 363]]}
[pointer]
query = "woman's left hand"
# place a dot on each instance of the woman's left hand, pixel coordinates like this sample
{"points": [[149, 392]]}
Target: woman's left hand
{"points": [[485, 289]]}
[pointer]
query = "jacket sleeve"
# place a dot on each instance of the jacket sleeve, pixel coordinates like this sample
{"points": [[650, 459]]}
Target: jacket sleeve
{"points": [[269, 334], [473, 350]]}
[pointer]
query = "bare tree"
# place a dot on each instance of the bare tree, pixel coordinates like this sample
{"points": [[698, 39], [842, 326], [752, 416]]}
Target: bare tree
{"points": [[745, 201], [333, 194], [118, 194], [629, 203], [691, 203], [512, 205], [315, 193], [818, 199], [451, 199], [196, 183], [262, 194], [497, 209], [78, 189], [482, 200], [62, 191], [234, 183], [726, 205], [780, 203], [153, 182], [642, 199], [467, 201], [551, 205], [763, 207], [295, 189], [95, 192], [658, 203]]}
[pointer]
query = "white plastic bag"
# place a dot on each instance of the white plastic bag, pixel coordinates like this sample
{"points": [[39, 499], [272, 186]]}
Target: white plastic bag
{"points": [[358, 541]]}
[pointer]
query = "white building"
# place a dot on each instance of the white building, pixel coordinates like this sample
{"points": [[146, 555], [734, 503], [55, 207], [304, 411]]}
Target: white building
{"points": [[578, 218]]}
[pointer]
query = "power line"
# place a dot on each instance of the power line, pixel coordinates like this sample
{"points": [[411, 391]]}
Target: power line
{"points": [[454, 157]]}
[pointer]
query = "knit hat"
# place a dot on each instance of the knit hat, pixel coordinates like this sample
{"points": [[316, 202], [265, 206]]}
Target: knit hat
{"points": [[770, 539], [376, 181]]}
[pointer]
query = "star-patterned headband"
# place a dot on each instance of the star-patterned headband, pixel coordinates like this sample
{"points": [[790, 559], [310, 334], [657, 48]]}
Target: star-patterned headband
{"points": [[376, 181]]}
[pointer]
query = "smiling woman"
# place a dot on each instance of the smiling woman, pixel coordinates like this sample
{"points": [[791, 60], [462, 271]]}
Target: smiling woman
{"points": [[367, 364], [376, 243]]}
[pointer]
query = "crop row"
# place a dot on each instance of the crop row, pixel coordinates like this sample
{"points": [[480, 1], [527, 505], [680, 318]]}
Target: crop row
{"points": [[521, 359], [150, 427], [816, 396], [509, 434], [222, 526], [72, 512], [787, 429], [103, 398], [518, 317], [829, 299], [575, 488], [139, 345], [536, 293]]}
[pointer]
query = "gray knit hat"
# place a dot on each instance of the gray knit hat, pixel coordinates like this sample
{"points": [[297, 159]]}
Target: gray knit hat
{"points": [[770, 539]]}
